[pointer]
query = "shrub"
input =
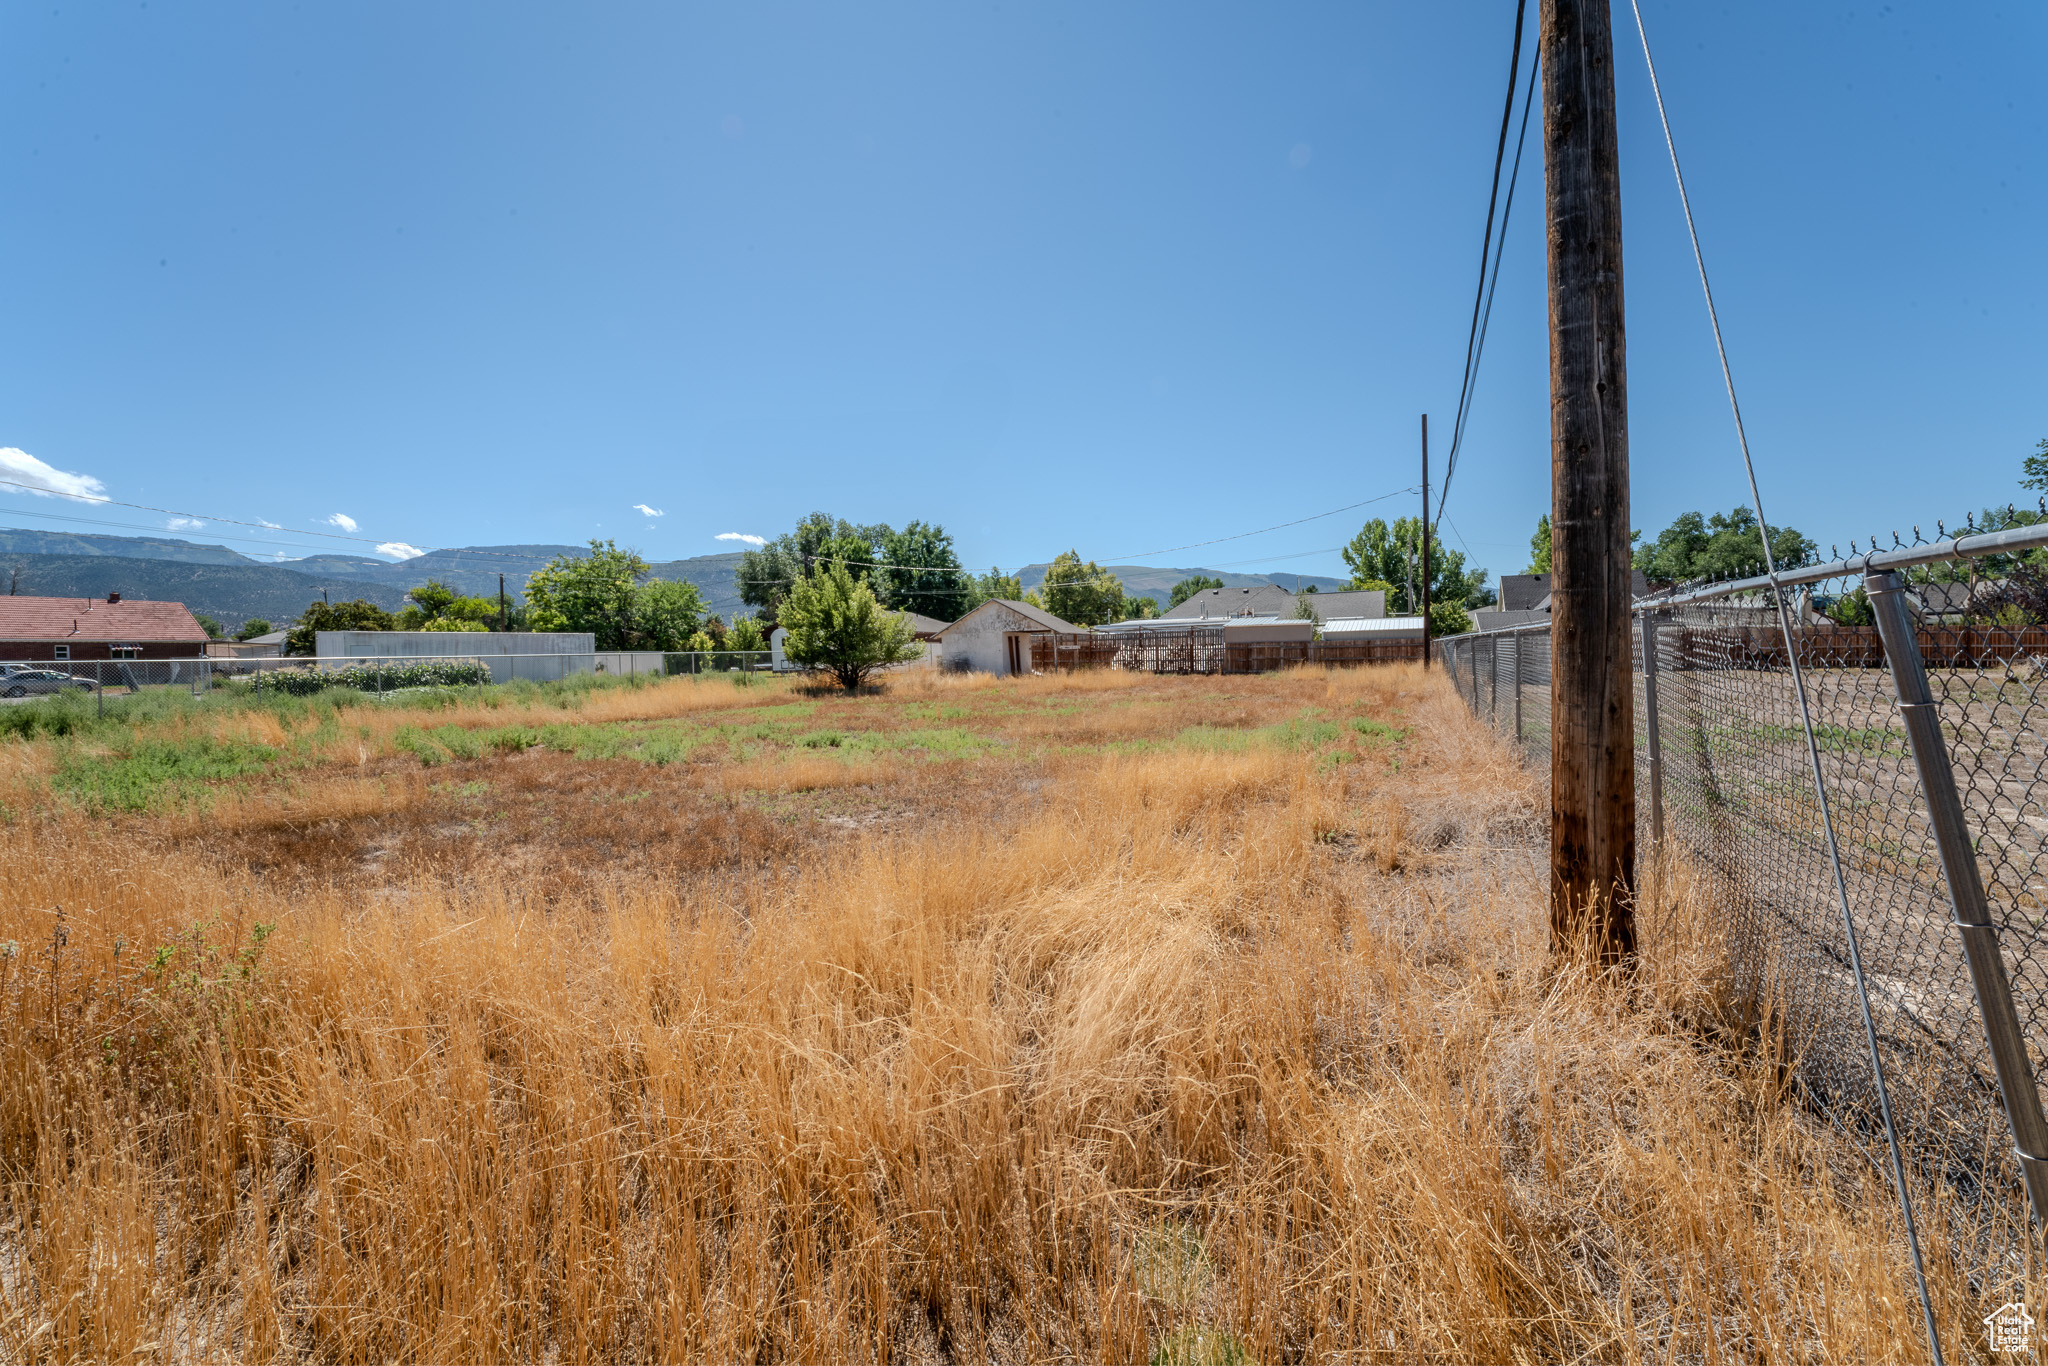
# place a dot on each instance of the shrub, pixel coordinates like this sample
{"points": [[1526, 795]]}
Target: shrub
{"points": [[426, 673]]}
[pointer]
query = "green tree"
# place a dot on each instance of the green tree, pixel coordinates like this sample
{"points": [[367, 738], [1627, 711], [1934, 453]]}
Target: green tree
{"points": [[837, 626], [1389, 557], [1140, 608], [354, 615], [1188, 587], [447, 624], [995, 585], [1085, 594], [597, 593], [766, 575], [252, 628], [922, 574], [208, 625], [666, 613], [1726, 543], [1539, 547], [434, 606], [1448, 619], [745, 635], [1305, 607], [2034, 468]]}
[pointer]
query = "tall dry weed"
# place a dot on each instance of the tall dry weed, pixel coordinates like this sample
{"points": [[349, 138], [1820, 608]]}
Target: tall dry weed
{"points": [[1206, 1051]]}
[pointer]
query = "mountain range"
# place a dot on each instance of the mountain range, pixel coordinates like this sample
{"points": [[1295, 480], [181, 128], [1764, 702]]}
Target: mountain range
{"points": [[232, 587]]}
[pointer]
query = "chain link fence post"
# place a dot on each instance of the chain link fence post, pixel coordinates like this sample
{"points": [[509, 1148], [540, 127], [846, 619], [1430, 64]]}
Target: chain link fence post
{"points": [[1652, 730], [1965, 885]]}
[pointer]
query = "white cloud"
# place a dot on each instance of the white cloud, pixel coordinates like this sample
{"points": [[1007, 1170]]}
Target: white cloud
{"points": [[184, 524], [274, 526], [742, 536], [400, 550], [26, 474], [342, 520], [646, 511]]}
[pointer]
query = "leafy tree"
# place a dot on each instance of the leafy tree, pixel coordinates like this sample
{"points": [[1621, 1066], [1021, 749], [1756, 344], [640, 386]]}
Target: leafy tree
{"points": [[1726, 543], [208, 625], [836, 626], [666, 613], [597, 593], [435, 602], [922, 573], [1448, 619], [354, 615], [767, 574], [1188, 587], [1085, 594], [1539, 547], [2034, 468], [1140, 608], [252, 628], [1305, 608], [700, 642], [745, 634], [1389, 558], [993, 585]]}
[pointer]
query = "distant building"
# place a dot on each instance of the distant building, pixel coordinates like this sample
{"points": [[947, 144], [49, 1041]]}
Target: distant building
{"points": [[96, 628], [995, 638], [1525, 601], [1266, 600]]}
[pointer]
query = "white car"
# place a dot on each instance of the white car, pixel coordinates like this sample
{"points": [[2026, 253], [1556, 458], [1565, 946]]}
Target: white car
{"points": [[19, 681]]}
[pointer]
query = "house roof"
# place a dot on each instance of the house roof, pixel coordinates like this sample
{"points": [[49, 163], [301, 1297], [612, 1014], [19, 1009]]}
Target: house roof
{"points": [[1365, 626], [96, 619], [924, 625], [1272, 600], [1041, 619]]}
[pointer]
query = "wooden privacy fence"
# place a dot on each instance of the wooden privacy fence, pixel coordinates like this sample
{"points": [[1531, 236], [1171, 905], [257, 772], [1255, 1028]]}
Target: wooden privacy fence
{"points": [[1203, 651]]}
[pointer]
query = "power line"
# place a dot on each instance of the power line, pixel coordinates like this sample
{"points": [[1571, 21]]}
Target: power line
{"points": [[1496, 246], [1820, 788], [1196, 545]]}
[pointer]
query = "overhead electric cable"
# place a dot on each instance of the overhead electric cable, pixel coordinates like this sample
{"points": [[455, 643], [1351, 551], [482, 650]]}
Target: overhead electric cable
{"points": [[1500, 151], [1489, 283], [1827, 819], [1196, 545]]}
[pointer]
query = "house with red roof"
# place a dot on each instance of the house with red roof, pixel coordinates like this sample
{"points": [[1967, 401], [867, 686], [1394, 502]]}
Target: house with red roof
{"points": [[46, 629]]}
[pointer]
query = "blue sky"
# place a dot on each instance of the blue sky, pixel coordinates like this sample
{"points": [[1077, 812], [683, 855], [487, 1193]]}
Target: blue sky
{"points": [[1110, 277]]}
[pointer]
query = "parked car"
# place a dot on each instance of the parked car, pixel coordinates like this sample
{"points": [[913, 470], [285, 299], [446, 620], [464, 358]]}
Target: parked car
{"points": [[16, 681]]}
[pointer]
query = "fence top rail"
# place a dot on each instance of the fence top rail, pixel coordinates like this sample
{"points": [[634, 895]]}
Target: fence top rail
{"points": [[1528, 629], [1871, 561]]}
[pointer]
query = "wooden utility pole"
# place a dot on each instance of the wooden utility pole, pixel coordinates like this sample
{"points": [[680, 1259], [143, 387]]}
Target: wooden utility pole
{"points": [[1425, 540], [504, 617], [1592, 692]]}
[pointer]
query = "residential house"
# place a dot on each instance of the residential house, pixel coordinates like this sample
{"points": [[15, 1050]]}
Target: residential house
{"points": [[1525, 601], [58, 629], [995, 638], [1270, 600]]}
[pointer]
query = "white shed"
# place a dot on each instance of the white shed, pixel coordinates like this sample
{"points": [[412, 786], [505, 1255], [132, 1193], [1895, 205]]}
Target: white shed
{"points": [[995, 638]]}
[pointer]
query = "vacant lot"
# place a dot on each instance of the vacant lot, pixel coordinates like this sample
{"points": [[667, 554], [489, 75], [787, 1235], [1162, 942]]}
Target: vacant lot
{"points": [[1086, 1018]]}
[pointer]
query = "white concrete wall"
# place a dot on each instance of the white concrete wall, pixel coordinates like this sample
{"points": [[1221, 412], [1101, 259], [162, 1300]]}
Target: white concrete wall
{"points": [[980, 638]]}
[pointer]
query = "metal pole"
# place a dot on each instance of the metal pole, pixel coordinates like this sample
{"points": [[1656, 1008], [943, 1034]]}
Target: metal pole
{"points": [[1425, 540], [1965, 887], [1650, 729], [1518, 689]]}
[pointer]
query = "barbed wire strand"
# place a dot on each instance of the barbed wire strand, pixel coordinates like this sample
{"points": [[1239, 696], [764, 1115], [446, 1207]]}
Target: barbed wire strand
{"points": [[1891, 1132]]}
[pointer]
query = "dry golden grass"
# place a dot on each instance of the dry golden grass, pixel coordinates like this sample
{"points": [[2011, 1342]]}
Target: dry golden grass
{"points": [[1189, 1053]]}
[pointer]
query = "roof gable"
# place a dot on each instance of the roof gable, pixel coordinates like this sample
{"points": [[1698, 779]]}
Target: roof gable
{"points": [[1038, 618]]}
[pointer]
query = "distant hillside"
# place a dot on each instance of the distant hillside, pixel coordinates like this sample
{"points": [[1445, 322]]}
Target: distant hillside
{"points": [[1143, 581], [229, 593], [23, 541], [92, 565]]}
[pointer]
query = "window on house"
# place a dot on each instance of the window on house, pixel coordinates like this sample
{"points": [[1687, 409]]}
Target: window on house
{"points": [[125, 652], [63, 652]]}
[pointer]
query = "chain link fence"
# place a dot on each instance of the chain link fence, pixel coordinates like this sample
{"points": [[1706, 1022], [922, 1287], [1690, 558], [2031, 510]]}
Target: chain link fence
{"points": [[1940, 809], [109, 684]]}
